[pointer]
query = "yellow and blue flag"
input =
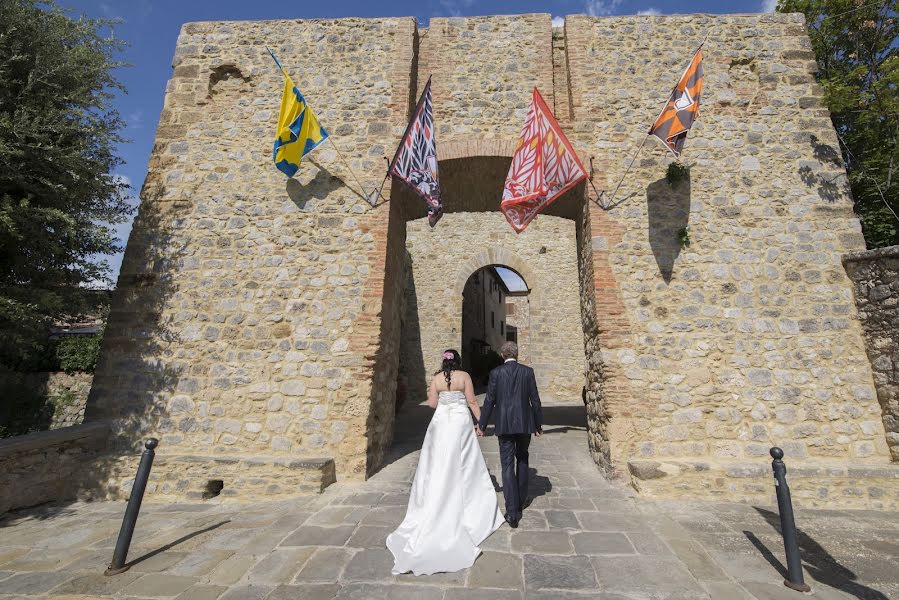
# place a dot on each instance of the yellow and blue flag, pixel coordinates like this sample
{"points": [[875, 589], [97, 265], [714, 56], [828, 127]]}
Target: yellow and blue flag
{"points": [[299, 131]]}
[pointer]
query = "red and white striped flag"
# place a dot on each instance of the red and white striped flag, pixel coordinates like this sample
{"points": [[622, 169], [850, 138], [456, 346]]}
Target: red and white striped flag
{"points": [[544, 166]]}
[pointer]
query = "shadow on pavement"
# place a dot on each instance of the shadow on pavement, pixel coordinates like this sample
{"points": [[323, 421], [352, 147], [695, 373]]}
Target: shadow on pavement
{"points": [[819, 563], [412, 422], [538, 485], [39, 513], [171, 545], [559, 419]]}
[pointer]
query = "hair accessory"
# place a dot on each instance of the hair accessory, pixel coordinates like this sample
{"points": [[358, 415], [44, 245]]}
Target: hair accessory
{"points": [[448, 355]]}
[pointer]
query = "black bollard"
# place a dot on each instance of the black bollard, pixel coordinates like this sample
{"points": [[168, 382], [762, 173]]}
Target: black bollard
{"points": [[137, 495], [795, 579]]}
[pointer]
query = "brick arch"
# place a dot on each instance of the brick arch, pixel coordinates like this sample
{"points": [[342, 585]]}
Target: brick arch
{"points": [[474, 148], [500, 257]]}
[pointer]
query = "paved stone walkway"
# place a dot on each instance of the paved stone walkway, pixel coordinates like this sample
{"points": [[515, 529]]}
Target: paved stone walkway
{"points": [[583, 537]]}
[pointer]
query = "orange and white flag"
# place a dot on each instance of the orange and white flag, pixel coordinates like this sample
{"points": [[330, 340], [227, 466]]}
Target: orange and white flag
{"points": [[544, 166], [681, 109]]}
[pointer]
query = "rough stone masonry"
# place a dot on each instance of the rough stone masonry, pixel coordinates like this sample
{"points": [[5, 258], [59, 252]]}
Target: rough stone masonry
{"points": [[257, 323]]}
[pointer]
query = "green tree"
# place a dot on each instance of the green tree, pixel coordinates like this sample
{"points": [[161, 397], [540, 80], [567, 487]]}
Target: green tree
{"points": [[855, 42], [58, 196]]}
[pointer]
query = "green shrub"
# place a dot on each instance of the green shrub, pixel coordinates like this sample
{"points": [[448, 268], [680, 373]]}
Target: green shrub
{"points": [[65, 398], [79, 353], [677, 172], [23, 409], [683, 236]]}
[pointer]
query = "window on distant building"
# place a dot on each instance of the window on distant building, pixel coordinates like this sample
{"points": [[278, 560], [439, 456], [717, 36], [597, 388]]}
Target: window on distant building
{"points": [[502, 328], [492, 320]]}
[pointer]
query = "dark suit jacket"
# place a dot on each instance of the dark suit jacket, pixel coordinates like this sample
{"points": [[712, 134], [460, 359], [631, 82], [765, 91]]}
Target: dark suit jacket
{"points": [[513, 392]]}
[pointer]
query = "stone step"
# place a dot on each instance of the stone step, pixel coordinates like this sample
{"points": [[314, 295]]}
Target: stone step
{"points": [[243, 478], [812, 484]]}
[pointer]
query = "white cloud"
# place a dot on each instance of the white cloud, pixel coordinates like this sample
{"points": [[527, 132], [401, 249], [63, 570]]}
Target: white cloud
{"points": [[135, 119], [769, 5], [558, 21], [598, 8], [456, 7], [118, 178], [653, 12]]}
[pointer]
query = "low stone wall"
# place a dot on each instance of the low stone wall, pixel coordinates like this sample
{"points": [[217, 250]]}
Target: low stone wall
{"points": [[39, 401], [826, 485], [247, 479], [47, 466], [875, 276]]}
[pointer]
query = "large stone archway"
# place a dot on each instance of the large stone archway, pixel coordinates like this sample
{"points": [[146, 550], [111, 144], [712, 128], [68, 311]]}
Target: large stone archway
{"points": [[497, 255], [436, 263], [546, 258]]}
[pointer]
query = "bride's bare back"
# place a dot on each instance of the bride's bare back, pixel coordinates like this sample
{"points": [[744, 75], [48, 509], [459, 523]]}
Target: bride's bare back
{"points": [[460, 381]]}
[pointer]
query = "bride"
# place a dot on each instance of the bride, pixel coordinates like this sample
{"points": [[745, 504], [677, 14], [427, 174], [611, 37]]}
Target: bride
{"points": [[452, 507]]}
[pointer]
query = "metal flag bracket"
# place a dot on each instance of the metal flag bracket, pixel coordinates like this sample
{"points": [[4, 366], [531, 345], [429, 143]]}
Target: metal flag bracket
{"points": [[375, 195], [599, 195]]}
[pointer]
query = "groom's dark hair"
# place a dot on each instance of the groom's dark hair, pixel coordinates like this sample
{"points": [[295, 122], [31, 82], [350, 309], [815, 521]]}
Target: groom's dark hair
{"points": [[509, 350]]}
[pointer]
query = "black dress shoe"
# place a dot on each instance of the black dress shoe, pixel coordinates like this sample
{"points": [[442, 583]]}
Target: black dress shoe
{"points": [[513, 523]]}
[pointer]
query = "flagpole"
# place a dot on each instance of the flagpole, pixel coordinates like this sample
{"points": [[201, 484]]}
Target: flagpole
{"points": [[628, 170], [340, 154], [380, 189], [704, 40]]}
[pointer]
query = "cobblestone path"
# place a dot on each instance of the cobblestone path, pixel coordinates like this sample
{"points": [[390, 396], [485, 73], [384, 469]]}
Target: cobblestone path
{"points": [[583, 537]]}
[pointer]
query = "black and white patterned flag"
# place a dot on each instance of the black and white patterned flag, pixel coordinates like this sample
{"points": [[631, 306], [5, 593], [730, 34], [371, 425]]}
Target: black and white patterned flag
{"points": [[415, 161]]}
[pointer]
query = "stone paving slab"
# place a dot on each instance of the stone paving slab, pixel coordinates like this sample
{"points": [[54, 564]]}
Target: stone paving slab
{"points": [[582, 537]]}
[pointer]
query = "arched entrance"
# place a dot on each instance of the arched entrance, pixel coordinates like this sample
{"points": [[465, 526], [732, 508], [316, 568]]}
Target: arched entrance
{"points": [[492, 298], [427, 270]]}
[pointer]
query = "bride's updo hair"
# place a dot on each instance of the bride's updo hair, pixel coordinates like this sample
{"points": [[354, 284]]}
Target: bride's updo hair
{"points": [[451, 362]]}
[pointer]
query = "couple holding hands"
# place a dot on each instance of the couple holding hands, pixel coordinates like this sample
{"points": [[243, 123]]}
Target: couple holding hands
{"points": [[452, 505]]}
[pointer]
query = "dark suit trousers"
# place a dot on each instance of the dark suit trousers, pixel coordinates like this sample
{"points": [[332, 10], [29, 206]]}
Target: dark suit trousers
{"points": [[513, 456]]}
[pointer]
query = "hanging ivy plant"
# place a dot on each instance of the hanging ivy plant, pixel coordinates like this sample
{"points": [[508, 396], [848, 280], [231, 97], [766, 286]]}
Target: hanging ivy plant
{"points": [[677, 172], [683, 236]]}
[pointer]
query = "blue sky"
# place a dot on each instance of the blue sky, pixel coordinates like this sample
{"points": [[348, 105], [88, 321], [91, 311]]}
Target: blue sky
{"points": [[151, 28]]}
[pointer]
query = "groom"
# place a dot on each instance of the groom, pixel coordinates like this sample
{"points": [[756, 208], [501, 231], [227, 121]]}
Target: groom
{"points": [[513, 391]]}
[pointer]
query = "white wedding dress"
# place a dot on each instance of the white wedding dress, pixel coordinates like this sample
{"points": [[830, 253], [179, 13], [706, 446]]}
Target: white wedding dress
{"points": [[452, 506]]}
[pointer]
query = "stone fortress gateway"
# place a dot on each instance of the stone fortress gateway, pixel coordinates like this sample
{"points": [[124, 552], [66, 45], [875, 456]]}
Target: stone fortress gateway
{"points": [[260, 324]]}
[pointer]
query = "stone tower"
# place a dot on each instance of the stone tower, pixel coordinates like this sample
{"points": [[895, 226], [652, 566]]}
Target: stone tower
{"points": [[258, 322]]}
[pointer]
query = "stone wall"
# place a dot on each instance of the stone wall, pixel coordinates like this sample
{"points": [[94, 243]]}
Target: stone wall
{"points": [[193, 477], [48, 465], [495, 311], [748, 338], [835, 485], [44, 400], [247, 320], [68, 394], [545, 255], [518, 315], [876, 277], [474, 317], [258, 318], [483, 314]]}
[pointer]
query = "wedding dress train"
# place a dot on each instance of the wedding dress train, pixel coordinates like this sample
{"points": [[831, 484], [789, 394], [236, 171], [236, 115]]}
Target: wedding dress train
{"points": [[452, 506]]}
